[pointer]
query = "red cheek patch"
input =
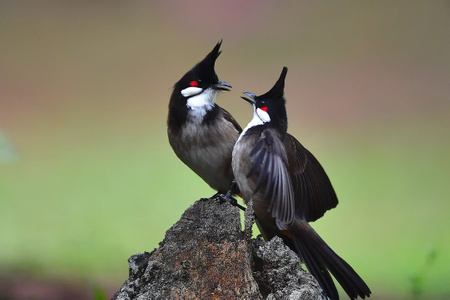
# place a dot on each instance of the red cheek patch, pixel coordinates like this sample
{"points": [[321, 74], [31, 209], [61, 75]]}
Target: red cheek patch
{"points": [[193, 83], [263, 108]]}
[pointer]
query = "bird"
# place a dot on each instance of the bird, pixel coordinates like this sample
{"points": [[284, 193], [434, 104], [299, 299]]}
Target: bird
{"points": [[289, 188], [201, 133]]}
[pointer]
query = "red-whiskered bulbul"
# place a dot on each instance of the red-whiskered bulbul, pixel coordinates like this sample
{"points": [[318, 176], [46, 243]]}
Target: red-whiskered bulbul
{"points": [[201, 133], [289, 188]]}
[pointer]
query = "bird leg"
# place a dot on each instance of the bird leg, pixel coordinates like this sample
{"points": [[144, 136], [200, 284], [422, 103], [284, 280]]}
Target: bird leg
{"points": [[234, 189], [228, 197]]}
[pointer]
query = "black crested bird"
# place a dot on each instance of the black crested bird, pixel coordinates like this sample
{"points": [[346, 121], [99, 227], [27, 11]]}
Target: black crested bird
{"points": [[289, 188], [201, 133]]}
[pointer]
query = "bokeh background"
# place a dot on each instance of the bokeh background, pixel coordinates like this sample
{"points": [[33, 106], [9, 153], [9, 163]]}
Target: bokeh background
{"points": [[87, 177]]}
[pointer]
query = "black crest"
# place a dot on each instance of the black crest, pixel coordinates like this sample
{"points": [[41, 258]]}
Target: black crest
{"points": [[277, 91], [204, 71], [206, 66], [275, 103]]}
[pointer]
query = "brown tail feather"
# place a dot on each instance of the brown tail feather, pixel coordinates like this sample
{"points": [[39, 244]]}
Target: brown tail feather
{"points": [[320, 260]]}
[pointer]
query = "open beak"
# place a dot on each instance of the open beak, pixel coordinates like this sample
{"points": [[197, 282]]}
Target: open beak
{"points": [[252, 98], [222, 86]]}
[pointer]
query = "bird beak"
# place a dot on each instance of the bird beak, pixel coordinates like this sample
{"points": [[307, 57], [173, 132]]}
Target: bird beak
{"points": [[222, 86], [252, 96]]}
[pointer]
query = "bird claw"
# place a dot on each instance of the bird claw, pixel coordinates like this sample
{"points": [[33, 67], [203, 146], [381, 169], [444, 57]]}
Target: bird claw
{"points": [[220, 198], [228, 198]]}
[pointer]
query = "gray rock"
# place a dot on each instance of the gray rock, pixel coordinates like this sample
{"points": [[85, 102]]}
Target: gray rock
{"points": [[206, 255]]}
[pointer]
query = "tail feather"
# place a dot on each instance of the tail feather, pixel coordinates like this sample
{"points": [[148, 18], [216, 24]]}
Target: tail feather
{"points": [[350, 281], [317, 269], [320, 259]]}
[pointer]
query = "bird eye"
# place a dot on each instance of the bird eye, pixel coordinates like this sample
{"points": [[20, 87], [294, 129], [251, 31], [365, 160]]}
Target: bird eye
{"points": [[263, 108], [193, 83]]}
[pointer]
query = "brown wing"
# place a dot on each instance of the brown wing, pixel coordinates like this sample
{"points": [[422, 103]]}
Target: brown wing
{"points": [[314, 194], [269, 162], [230, 118]]}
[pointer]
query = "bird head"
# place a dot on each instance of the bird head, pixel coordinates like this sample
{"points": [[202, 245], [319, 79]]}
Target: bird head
{"points": [[200, 85], [270, 107]]}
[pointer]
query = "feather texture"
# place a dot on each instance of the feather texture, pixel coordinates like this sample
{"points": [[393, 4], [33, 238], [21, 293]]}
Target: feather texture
{"points": [[269, 162]]}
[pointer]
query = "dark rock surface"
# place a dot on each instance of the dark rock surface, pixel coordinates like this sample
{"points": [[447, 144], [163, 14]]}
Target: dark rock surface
{"points": [[206, 255]]}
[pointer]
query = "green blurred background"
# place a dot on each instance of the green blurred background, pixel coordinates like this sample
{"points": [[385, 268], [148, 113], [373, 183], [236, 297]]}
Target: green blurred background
{"points": [[87, 177]]}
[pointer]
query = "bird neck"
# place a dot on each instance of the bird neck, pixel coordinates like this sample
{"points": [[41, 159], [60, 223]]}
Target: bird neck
{"points": [[199, 105]]}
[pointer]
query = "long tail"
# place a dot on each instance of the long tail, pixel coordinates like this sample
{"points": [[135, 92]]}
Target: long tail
{"points": [[320, 259]]}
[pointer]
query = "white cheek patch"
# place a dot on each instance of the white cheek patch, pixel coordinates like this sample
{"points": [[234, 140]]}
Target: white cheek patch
{"points": [[263, 115], [191, 91], [205, 99]]}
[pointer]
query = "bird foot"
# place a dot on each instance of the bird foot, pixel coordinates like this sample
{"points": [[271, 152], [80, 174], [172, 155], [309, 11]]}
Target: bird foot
{"points": [[230, 199], [220, 198]]}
